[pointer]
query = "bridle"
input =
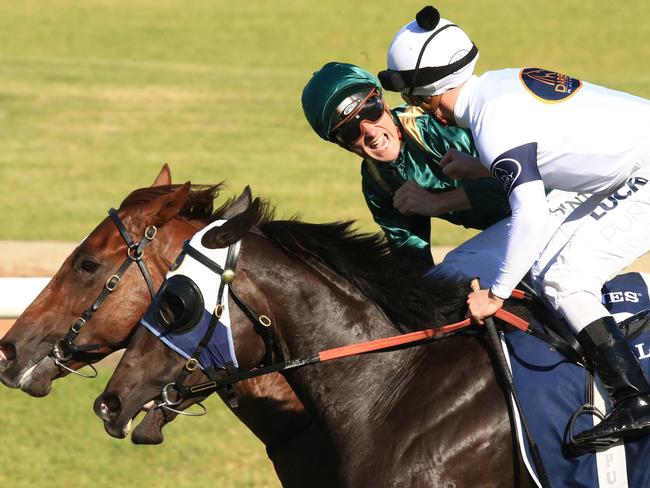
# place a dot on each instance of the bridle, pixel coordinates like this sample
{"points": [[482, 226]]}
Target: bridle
{"points": [[65, 350], [172, 393]]}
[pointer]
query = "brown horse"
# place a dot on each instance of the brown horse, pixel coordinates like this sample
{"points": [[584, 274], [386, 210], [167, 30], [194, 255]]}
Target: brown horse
{"points": [[268, 406], [425, 416]]}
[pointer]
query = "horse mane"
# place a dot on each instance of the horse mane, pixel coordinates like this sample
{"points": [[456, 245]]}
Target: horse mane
{"points": [[199, 204], [395, 284]]}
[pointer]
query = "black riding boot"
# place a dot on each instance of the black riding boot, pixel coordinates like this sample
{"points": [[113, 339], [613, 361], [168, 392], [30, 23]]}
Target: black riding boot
{"points": [[622, 376]]}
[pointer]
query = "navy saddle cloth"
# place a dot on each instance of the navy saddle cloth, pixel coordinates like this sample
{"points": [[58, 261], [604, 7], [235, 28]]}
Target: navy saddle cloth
{"points": [[551, 389]]}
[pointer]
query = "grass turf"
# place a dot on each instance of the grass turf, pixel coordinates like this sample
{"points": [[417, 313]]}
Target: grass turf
{"points": [[95, 95], [58, 441]]}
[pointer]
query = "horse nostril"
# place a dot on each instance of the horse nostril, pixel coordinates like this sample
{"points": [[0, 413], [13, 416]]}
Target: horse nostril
{"points": [[7, 351], [109, 406]]}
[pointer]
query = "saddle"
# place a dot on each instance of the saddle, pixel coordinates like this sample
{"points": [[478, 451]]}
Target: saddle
{"points": [[559, 396]]}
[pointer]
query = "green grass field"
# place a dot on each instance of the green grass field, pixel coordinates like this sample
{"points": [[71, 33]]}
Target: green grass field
{"points": [[96, 94], [58, 442]]}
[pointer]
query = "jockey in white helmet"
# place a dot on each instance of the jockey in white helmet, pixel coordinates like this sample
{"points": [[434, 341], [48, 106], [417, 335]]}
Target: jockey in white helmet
{"points": [[536, 130]]}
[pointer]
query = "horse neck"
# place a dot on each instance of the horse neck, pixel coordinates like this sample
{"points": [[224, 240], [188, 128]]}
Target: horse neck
{"points": [[416, 399], [320, 310]]}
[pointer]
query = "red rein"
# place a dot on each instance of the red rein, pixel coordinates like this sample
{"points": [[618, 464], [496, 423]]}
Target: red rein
{"points": [[388, 342]]}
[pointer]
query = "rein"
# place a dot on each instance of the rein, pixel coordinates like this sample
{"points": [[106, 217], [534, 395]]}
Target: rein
{"points": [[65, 349], [173, 394], [412, 339]]}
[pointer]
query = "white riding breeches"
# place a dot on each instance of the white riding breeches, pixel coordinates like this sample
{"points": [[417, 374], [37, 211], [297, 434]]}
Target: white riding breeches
{"points": [[590, 238], [482, 255], [608, 237]]}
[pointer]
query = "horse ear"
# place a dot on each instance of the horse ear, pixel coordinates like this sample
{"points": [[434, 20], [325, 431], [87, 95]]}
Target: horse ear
{"points": [[232, 230], [167, 206], [240, 205], [164, 177]]}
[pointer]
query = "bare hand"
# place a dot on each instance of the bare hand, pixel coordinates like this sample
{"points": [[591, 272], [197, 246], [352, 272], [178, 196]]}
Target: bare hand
{"points": [[459, 165], [411, 199], [482, 304]]}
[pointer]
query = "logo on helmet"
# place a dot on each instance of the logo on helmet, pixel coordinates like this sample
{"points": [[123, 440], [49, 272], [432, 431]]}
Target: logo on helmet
{"points": [[350, 108], [549, 86]]}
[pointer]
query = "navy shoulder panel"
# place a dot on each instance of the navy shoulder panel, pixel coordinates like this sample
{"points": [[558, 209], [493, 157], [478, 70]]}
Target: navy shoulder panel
{"points": [[516, 166], [549, 86]]}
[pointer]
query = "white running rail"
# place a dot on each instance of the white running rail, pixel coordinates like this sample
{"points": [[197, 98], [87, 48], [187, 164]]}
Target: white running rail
{"points": [[17, 293]]}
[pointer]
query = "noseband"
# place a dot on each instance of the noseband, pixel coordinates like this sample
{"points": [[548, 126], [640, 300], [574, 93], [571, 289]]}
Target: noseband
{"points": [[65, 349]]}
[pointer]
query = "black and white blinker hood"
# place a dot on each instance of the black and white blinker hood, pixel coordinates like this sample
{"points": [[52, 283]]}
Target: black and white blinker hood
{"points": [[182, 309]]}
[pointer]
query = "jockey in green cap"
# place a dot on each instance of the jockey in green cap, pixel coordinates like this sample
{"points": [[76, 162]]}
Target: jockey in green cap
{"points": [[402, 181]]}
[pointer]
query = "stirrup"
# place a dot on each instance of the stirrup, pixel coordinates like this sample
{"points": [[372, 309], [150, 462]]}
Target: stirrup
{"points": [[577, 447]]}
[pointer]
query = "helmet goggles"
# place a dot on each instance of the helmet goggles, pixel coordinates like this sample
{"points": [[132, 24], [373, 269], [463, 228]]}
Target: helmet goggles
{"points": [[348, 130]]}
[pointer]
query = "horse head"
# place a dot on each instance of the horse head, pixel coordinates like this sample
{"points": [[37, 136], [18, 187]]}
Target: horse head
{"points": [[276, 276], [123, 398], [106, 282]]}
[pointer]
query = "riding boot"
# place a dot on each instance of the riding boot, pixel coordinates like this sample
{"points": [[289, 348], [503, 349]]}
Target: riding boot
{"points": [[621, 374]]}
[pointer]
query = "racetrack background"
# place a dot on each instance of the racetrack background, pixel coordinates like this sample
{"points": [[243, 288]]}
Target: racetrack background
{"points": [[95, 95]]}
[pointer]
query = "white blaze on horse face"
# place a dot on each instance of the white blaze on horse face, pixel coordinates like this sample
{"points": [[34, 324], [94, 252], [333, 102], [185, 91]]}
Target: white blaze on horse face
{"points": [[150, 405], [26, 377], [127, 428]]}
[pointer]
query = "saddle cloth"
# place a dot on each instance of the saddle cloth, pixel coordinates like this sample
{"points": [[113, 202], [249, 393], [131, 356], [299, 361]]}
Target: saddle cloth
{"points": [[551, 389]]}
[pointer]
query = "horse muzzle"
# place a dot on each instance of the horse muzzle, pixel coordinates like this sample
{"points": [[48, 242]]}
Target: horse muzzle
{"points": [[31, 373]]}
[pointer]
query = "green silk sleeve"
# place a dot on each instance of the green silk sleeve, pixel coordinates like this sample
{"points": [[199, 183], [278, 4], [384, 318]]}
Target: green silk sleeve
{"points": [[407, 235], [487, 198], [439, 138]]}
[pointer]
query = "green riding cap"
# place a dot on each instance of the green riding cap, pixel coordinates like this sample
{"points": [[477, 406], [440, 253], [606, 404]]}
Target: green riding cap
{"points": [[330, 86]]}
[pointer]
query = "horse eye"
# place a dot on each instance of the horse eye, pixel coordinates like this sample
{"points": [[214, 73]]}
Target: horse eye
{"points": [[88, 265]]}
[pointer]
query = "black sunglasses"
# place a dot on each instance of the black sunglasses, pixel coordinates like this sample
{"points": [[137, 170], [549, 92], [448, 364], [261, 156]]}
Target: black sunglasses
{"points": [[350, 132]]}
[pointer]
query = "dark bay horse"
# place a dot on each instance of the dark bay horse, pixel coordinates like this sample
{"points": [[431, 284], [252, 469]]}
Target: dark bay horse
{"points": [[426, 416], [268, 406]]}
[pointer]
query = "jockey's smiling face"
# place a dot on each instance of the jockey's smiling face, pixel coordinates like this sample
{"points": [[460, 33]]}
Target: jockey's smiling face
{"points": [[379, 140], [366, 127]]}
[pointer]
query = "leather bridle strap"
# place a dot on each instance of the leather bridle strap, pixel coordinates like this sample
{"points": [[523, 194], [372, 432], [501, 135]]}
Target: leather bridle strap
{"points": [[135, 250], [402, 340], [261, 323], [65, 349], [227, 275]]}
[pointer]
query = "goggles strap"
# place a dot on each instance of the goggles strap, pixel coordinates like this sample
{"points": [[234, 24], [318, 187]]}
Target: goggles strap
{"points": [[424, 46], [394, 80]]}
